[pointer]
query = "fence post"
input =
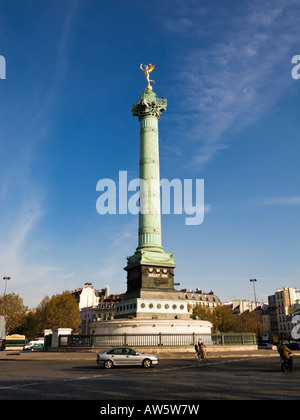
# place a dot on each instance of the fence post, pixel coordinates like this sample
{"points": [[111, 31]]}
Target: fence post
{"points": [[222, 339], [125, 340], [159, 339]]}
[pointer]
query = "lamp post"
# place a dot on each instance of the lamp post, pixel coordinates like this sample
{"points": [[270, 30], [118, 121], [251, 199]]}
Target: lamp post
{"points": [[5, 279], [87, 308], [253, 281]]}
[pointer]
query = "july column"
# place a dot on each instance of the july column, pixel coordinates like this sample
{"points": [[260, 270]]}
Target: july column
{"points": [[148, 109]]}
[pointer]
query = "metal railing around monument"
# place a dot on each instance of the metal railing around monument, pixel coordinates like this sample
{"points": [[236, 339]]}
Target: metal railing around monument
{"points": [[155, 340]]}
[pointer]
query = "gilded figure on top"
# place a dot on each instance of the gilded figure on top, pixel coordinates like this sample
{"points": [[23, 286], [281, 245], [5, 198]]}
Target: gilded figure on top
{"points": [[148, 70]]}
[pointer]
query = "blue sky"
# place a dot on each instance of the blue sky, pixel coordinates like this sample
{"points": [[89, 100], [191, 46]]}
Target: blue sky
{"points": [[72, 74]]}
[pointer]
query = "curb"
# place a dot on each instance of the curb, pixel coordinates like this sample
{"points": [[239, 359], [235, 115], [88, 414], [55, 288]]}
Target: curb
{"points": [[91, 356]]}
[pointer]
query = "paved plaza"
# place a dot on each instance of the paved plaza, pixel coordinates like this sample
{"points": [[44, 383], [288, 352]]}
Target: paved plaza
{"points": [[75, 376]]}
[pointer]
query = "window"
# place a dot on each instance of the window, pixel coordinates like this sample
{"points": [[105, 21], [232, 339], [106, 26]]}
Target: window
{"points": [[119, 350]]}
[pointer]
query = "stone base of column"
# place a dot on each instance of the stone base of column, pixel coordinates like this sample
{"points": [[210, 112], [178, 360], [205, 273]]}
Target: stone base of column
{"points": [[156, 278]]}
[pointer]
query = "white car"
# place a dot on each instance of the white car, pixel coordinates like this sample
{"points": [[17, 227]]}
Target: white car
{"points": [[122, 356], [32, 344]]}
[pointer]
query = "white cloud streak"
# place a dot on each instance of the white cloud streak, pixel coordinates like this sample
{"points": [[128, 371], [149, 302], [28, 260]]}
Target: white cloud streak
{"points": [[21, 194], [281, 201], [242, 73]]}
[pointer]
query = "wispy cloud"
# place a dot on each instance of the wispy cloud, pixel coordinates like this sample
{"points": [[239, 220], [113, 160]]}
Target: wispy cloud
{"points": [[60, 62], [66, 40], [238, 70], [15, 234], [280, 201], [22, 194]]}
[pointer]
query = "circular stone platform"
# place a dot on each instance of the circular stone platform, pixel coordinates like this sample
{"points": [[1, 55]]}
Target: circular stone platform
{"points": [[151, 326]]}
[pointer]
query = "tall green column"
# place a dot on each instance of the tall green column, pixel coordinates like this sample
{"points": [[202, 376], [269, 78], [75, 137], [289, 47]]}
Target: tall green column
{"points": [[149, 251], [149, 109]]}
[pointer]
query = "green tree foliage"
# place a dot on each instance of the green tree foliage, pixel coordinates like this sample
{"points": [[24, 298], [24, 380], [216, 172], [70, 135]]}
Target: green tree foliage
{"points": [[29, 326], [40, 312], [224, 320], [14, 311], [62, 311], [250, 322], [203, 313]]}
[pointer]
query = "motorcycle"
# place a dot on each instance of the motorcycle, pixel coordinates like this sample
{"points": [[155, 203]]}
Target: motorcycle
{"points": [[286, 364]]}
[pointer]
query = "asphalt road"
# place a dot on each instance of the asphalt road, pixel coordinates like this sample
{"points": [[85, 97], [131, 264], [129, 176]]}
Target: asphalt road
{"points": [[180, 380]]}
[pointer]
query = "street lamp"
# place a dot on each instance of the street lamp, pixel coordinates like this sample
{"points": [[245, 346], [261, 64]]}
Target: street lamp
{"points": [[5, 279], [87, 308], [253, 281]]}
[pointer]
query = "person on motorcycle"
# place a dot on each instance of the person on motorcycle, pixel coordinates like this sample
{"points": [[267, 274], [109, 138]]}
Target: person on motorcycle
{"points": [[285, 353]]}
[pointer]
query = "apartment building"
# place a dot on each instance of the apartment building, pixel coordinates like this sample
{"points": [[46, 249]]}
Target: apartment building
{"points": [[199, 298], [283, 305], [89, 299]]}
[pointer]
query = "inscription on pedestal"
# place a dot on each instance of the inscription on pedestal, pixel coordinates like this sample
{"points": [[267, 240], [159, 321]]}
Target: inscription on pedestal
{"points": [[150, 278]]}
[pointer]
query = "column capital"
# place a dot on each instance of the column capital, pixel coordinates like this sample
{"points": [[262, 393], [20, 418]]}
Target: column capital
{"points": [[149, 105]]}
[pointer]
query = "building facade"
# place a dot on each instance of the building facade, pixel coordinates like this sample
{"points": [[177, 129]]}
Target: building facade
{"points": [[89, 299], [199, 298], [240, 306], [283, 305], [287, 299]]}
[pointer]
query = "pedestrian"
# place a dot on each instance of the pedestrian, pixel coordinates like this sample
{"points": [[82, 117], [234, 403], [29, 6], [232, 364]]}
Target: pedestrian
{"points": [[201, 348]]}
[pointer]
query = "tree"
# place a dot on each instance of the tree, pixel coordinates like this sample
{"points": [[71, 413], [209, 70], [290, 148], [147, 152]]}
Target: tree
{"points": [[14, 311], [33, 322], [40, 313], [29, 326], [203, 313], [250, 322], [221, 317], [62, 311]]}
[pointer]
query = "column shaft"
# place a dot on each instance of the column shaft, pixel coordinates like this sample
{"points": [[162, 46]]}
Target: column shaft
{"points": [[149, 217]]}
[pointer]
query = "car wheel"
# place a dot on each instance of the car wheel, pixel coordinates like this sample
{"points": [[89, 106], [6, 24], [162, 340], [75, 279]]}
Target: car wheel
{"points": [[147, 363], [108, 364]]}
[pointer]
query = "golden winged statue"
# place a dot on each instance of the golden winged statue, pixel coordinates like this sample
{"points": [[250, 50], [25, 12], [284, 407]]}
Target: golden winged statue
{"points": [[148, 70]]}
